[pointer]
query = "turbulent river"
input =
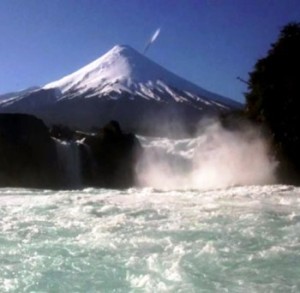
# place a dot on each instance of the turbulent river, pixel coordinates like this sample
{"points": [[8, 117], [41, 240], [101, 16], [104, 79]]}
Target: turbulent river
{"points": [[240, 239], [204, 225]]}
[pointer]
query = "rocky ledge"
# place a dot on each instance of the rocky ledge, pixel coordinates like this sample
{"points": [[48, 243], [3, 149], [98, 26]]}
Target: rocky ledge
{"points": [[32, 155]]}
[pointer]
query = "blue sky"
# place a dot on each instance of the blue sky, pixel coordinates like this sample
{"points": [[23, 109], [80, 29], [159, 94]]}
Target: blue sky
{"points": [[209, 42]]}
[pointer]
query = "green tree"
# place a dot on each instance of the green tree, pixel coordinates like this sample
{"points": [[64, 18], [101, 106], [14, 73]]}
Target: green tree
{"points": [[273, 96]]}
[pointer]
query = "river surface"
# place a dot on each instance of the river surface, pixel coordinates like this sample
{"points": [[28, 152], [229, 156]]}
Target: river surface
{"points": [[238, 239]]}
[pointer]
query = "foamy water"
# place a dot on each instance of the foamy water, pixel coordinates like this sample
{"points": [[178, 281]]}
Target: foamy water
{"points": [[241, 239], [217, 158]]}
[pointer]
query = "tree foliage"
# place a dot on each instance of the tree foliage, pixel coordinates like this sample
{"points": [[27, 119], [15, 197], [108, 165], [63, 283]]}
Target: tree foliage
{"points": [[273, 96]]}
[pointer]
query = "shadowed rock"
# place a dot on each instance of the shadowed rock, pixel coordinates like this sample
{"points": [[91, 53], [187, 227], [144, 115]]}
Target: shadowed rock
{"points": [[114, 156], [27, 153]]}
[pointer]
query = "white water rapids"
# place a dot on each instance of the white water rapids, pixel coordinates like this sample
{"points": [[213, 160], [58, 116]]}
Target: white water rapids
{"points": [[242, 239], [175, 236], [217, 158]]}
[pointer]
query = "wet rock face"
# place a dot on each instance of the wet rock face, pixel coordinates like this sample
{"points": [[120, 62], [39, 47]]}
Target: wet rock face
{"points": [[27, 153], [29, 156], [113, 158]]}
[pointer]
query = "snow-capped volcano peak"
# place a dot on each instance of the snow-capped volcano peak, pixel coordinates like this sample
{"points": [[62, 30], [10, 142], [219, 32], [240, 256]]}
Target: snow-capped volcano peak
{"points": [[122, 65], [123, 69], [122, 85], [108, 68]]}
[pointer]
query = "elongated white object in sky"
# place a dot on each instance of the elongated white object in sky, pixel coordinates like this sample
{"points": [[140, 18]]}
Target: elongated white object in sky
{"points": [[152, 40], [155, 35]]}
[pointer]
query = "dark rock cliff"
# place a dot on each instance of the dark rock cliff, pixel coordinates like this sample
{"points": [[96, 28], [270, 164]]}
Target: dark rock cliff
{"points": [[29, 156], [114, 156], [27, 153]]}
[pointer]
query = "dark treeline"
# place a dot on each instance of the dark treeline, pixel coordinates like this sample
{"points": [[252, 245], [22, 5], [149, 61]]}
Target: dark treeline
{"points": [[272, 100]]}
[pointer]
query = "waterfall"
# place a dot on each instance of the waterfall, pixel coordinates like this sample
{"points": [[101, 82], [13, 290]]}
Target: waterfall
{"points": [[217, 158], [92, 165], [69, 160], [165, 162]]}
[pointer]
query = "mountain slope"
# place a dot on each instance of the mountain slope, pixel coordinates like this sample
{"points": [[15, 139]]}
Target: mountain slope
{"points": [[123, 85], [12, 95]]}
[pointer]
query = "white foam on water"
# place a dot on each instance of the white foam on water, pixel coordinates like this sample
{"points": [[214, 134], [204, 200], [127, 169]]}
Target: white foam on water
{"points": [[69, 159], [96, 240], [217, 158]]}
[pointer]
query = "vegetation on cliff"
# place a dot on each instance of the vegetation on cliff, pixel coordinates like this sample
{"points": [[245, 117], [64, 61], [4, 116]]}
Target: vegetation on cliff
{"points": [[273, 98]]}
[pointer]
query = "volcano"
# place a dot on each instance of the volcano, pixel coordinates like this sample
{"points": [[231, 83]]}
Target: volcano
{"points": [[121, 85]]}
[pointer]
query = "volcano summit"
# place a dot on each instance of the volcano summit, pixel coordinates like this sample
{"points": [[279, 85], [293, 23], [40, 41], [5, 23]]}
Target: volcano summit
{"points": [[121, 85]]}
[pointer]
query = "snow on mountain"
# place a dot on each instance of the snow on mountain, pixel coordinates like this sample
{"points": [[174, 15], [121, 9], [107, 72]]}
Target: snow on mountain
{"points": [[124, 69], [13, 95], [123, 85]]}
